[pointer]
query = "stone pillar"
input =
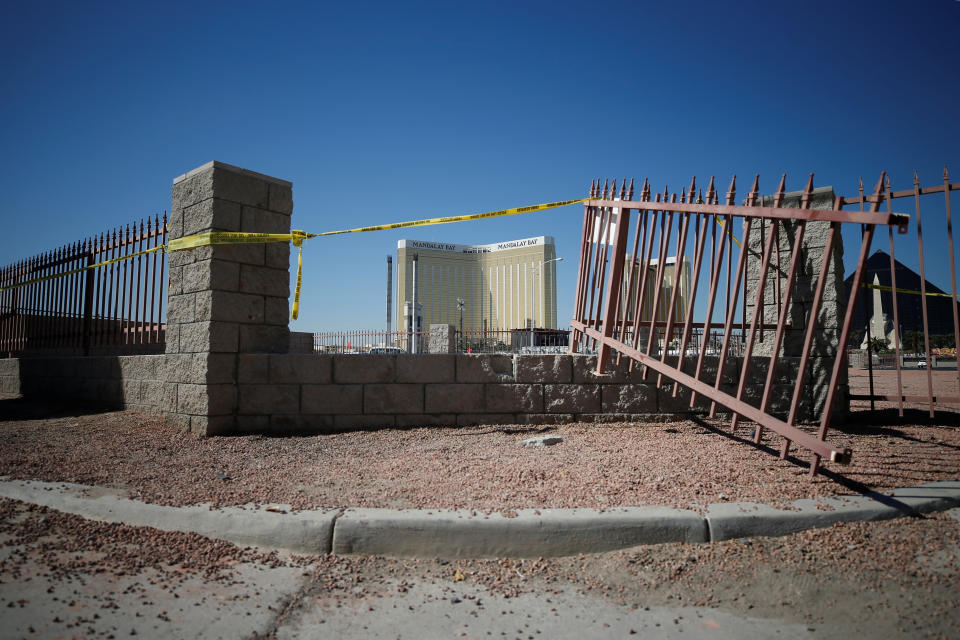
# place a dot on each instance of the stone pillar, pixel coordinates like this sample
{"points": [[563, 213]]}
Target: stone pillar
{"points": [[443, 339], [832, 309], [224, 299]]}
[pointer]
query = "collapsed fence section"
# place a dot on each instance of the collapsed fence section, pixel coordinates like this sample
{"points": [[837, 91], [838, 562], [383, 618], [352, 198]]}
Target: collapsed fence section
{"points": [[56, 301], [777, 261]]}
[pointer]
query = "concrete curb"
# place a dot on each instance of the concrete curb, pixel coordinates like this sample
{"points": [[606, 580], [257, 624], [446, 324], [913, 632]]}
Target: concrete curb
{"points": [[533, 532], [302, 532], [465, 533], [745, 519]]}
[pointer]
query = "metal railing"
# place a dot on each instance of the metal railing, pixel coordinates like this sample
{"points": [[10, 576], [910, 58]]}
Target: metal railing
{"points": [[50, 302], [370, 341]]}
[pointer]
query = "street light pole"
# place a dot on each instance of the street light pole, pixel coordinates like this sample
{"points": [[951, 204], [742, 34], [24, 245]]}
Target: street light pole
{"points": [[460, 304]]}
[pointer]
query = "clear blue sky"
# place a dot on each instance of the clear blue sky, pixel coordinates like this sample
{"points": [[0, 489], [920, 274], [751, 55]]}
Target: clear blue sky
{"points": [[382, 112]]}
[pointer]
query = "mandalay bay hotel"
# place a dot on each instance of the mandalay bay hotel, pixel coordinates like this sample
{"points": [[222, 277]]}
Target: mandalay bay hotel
{"points": [[504, 285]]}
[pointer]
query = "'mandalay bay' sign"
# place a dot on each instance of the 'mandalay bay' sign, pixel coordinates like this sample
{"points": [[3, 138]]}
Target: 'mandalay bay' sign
{"points": [[475, 248]]}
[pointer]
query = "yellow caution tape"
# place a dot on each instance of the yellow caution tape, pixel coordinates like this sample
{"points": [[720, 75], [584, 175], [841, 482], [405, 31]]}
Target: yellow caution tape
{"points": [[297, 237], [723, 226], [881, 287], [448, 219], [81, 269]]}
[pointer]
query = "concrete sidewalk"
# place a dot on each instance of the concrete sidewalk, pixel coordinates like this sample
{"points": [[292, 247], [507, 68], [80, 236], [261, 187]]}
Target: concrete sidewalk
{"points": [[471, 534]]}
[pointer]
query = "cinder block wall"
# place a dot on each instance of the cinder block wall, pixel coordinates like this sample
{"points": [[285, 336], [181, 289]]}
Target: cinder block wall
{"points": [[106, 382], [289, 393]]}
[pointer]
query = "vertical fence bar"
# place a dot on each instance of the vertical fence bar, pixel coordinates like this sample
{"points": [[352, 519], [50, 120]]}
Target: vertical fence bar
{"points": [[896, 312], [923, 294]]}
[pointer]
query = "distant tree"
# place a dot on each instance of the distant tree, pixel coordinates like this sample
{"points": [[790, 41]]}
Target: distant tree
{"points": [[879, 345]]}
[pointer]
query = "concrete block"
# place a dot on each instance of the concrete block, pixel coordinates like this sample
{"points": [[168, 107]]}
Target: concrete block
{"points": [[229, 306], [253, 367], [184, 367], [258, 338], [211, 274], [585, 370], [9, 366], [268, 398], [175, 276], [629, 398], [557, 369], [158, 395], [209, 337], [181, 308], [276, 311], [546, 418], [213, 425], [484, 368], [178, 421], [532, 533], [192, 399], [257, 220], [442, 339], [265, 281], [244, 189], [281, 199], [571, 398], [364, 368], [429, 420], [474, 419], [134, 367], [221, 367], [342, 422], [252, 424], [131, 392], [426, 368], [301, 423], [213, 214], [301, 368], [393, 398], [453, 398], [277, 255], [300, 341], [332, 399], [171, 338], [511, 398]]}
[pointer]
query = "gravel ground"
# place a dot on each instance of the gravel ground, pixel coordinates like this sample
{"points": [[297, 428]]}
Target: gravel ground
{"points": [[681, 464], [886, 579]]}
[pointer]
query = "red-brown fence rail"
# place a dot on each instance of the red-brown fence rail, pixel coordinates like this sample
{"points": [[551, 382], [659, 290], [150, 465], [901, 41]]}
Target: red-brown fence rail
{"points": [[52, 303], [636, 299]]}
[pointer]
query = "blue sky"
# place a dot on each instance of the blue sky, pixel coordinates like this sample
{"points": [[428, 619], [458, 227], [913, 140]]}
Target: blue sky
{"points": [[383, 112]]}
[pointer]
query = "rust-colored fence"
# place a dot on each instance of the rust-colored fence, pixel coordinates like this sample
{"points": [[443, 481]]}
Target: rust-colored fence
{"points": [[52, 303], [773, 300], [905, 322]]}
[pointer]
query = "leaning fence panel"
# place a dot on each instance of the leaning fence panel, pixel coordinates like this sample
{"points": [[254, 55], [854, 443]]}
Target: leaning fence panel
{"points": [[782, 318]]}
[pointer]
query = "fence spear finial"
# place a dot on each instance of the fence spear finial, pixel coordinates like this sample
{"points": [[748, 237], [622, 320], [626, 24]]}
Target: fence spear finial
{"points": [[946, 176], [630, 192], [606, 184], [732, 190], [916, 179], [623, 188]]}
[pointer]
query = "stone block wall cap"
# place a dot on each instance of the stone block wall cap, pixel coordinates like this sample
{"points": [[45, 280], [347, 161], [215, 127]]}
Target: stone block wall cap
{"points": [[230, 167]]}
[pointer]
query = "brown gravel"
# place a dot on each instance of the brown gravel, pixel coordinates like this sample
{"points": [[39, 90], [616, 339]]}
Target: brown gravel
{"points": [[681, 464]]}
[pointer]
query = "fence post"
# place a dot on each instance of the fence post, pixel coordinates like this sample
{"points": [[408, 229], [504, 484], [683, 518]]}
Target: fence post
{"points": [[831, 313], [87, 304], [227, 299]]}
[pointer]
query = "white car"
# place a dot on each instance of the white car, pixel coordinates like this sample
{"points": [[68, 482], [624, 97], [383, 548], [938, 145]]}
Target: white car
{"points": [[921, 364]]}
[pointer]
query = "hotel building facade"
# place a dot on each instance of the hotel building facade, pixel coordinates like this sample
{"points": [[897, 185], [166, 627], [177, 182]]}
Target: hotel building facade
{"points": [[504, 285]]}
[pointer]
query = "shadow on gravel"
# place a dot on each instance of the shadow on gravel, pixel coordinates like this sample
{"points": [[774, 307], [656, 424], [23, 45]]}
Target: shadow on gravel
{"points": [[868, 418], [20, 408], [848, 483]]}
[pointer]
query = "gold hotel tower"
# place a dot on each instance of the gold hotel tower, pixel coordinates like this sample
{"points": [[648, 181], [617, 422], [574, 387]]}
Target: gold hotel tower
{"points": [[504, 285]]}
